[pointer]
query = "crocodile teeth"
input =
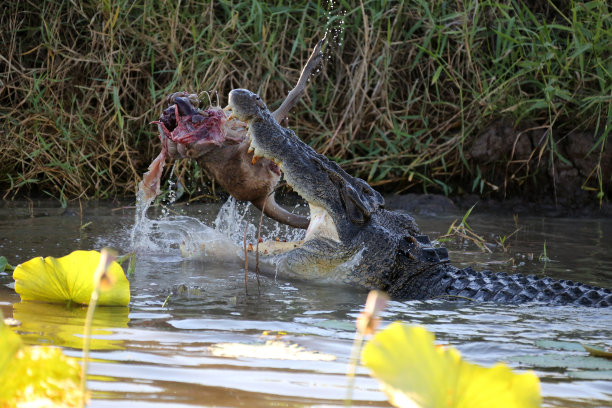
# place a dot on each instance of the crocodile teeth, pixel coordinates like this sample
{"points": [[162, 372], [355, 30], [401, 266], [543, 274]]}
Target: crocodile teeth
{"points": [[251, 150], [255, 159]]}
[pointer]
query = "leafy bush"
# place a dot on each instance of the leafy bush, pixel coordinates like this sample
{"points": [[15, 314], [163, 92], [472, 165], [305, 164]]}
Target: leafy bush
{"points": [[407, 88]]}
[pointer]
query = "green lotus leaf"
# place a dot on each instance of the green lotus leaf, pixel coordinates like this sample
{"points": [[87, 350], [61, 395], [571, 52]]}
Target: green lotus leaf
{"points": [[415, 373], [70, 278], [559, 345], [3, 263], [564, 361]]}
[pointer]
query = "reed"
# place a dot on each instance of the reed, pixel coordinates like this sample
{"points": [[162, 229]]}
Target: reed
{"points": [[404, 92]]}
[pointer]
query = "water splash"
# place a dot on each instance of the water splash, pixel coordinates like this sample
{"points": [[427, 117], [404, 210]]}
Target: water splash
{"points": [[180, 236], [334, 28], [141, 226], [233, 218], [231, 221]]}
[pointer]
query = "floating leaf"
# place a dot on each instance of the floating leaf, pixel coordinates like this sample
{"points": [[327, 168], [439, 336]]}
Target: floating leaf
{"points": [[415, 373], [559, 345], [42, 376], [3, 263], [598, 351], [558, 360], [604, 375], [36, 376], [9, 344], [69, 278], [340, 325]]}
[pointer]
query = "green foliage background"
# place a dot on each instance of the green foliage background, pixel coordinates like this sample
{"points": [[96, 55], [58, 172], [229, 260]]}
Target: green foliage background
{"points": [[405, 90]]}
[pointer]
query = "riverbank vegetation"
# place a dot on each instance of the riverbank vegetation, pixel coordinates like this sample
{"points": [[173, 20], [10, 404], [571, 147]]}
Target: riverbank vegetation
{"points": [[495, 98]]}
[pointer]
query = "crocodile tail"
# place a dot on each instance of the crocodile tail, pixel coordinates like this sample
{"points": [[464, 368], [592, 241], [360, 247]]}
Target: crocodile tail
{"points": [[518, 288]]}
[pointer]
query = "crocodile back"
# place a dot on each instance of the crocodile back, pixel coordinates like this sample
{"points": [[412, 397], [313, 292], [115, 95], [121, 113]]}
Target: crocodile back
{"points": [[518, 288]]}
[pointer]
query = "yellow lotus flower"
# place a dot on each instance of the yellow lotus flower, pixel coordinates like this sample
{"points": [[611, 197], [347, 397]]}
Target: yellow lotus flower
{"points": [[415, 373], [69, 278]]}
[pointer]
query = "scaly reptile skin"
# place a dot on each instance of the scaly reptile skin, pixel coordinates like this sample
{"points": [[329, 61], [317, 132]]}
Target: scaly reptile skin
{"points": [[447, 281], [352, 239]]}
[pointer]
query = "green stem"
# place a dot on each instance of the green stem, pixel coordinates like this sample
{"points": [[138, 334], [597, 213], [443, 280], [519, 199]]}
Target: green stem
{"points": [[87, 337], [352, 368], [105, 260]]}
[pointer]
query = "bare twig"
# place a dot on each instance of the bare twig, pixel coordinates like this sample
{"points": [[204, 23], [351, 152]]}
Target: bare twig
{"points": [[366, 324], [258, 239], [246, 262]]}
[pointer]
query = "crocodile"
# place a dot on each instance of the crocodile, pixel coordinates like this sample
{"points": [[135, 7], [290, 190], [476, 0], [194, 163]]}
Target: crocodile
{"points": [[352, 239]]}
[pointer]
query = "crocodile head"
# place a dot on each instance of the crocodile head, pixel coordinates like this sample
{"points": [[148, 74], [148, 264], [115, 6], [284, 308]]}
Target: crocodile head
{"points": [[347, 219], [345, 201]]}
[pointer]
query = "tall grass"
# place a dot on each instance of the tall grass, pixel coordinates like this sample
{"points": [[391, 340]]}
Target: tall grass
{"points": [[406, 90]]}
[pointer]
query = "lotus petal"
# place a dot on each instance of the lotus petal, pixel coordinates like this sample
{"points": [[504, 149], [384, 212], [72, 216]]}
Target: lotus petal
{"points": [[69, 278], [415, 373]]}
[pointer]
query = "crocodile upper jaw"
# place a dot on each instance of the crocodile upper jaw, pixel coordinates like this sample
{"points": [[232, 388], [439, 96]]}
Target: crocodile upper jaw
{"points": [[322, 225]]}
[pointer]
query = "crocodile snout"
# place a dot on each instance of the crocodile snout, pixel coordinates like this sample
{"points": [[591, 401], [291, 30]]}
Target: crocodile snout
{"points": [[245, 104]]}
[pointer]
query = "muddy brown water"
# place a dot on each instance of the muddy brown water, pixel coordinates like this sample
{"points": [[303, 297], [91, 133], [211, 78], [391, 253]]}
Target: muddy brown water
{"points": [[151, 355]]}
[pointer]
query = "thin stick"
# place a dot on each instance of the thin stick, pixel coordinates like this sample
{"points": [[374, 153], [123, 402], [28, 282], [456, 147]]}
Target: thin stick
{"points": [[263, 208], [106, 258], [296, 93], [352, 368], [367, 322], [81, 211], [246, 262]]}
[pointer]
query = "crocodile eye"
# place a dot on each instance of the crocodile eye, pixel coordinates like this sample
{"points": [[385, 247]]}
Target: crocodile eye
{"points": [[259, 102]]}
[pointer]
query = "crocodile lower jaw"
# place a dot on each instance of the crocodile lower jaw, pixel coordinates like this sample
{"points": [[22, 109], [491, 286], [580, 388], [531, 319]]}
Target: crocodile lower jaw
{"points": [[321, 227]]}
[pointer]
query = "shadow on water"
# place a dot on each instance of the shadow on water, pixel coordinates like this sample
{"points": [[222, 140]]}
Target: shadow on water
{"points": [[155, 355]]}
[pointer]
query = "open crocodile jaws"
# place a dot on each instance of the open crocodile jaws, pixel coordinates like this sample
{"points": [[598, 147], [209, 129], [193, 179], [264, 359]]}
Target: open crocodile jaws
{"points": [[353, 239]]}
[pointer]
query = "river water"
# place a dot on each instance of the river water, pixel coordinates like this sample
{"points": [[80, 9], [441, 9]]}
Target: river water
{"points": [[183, 350]]}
